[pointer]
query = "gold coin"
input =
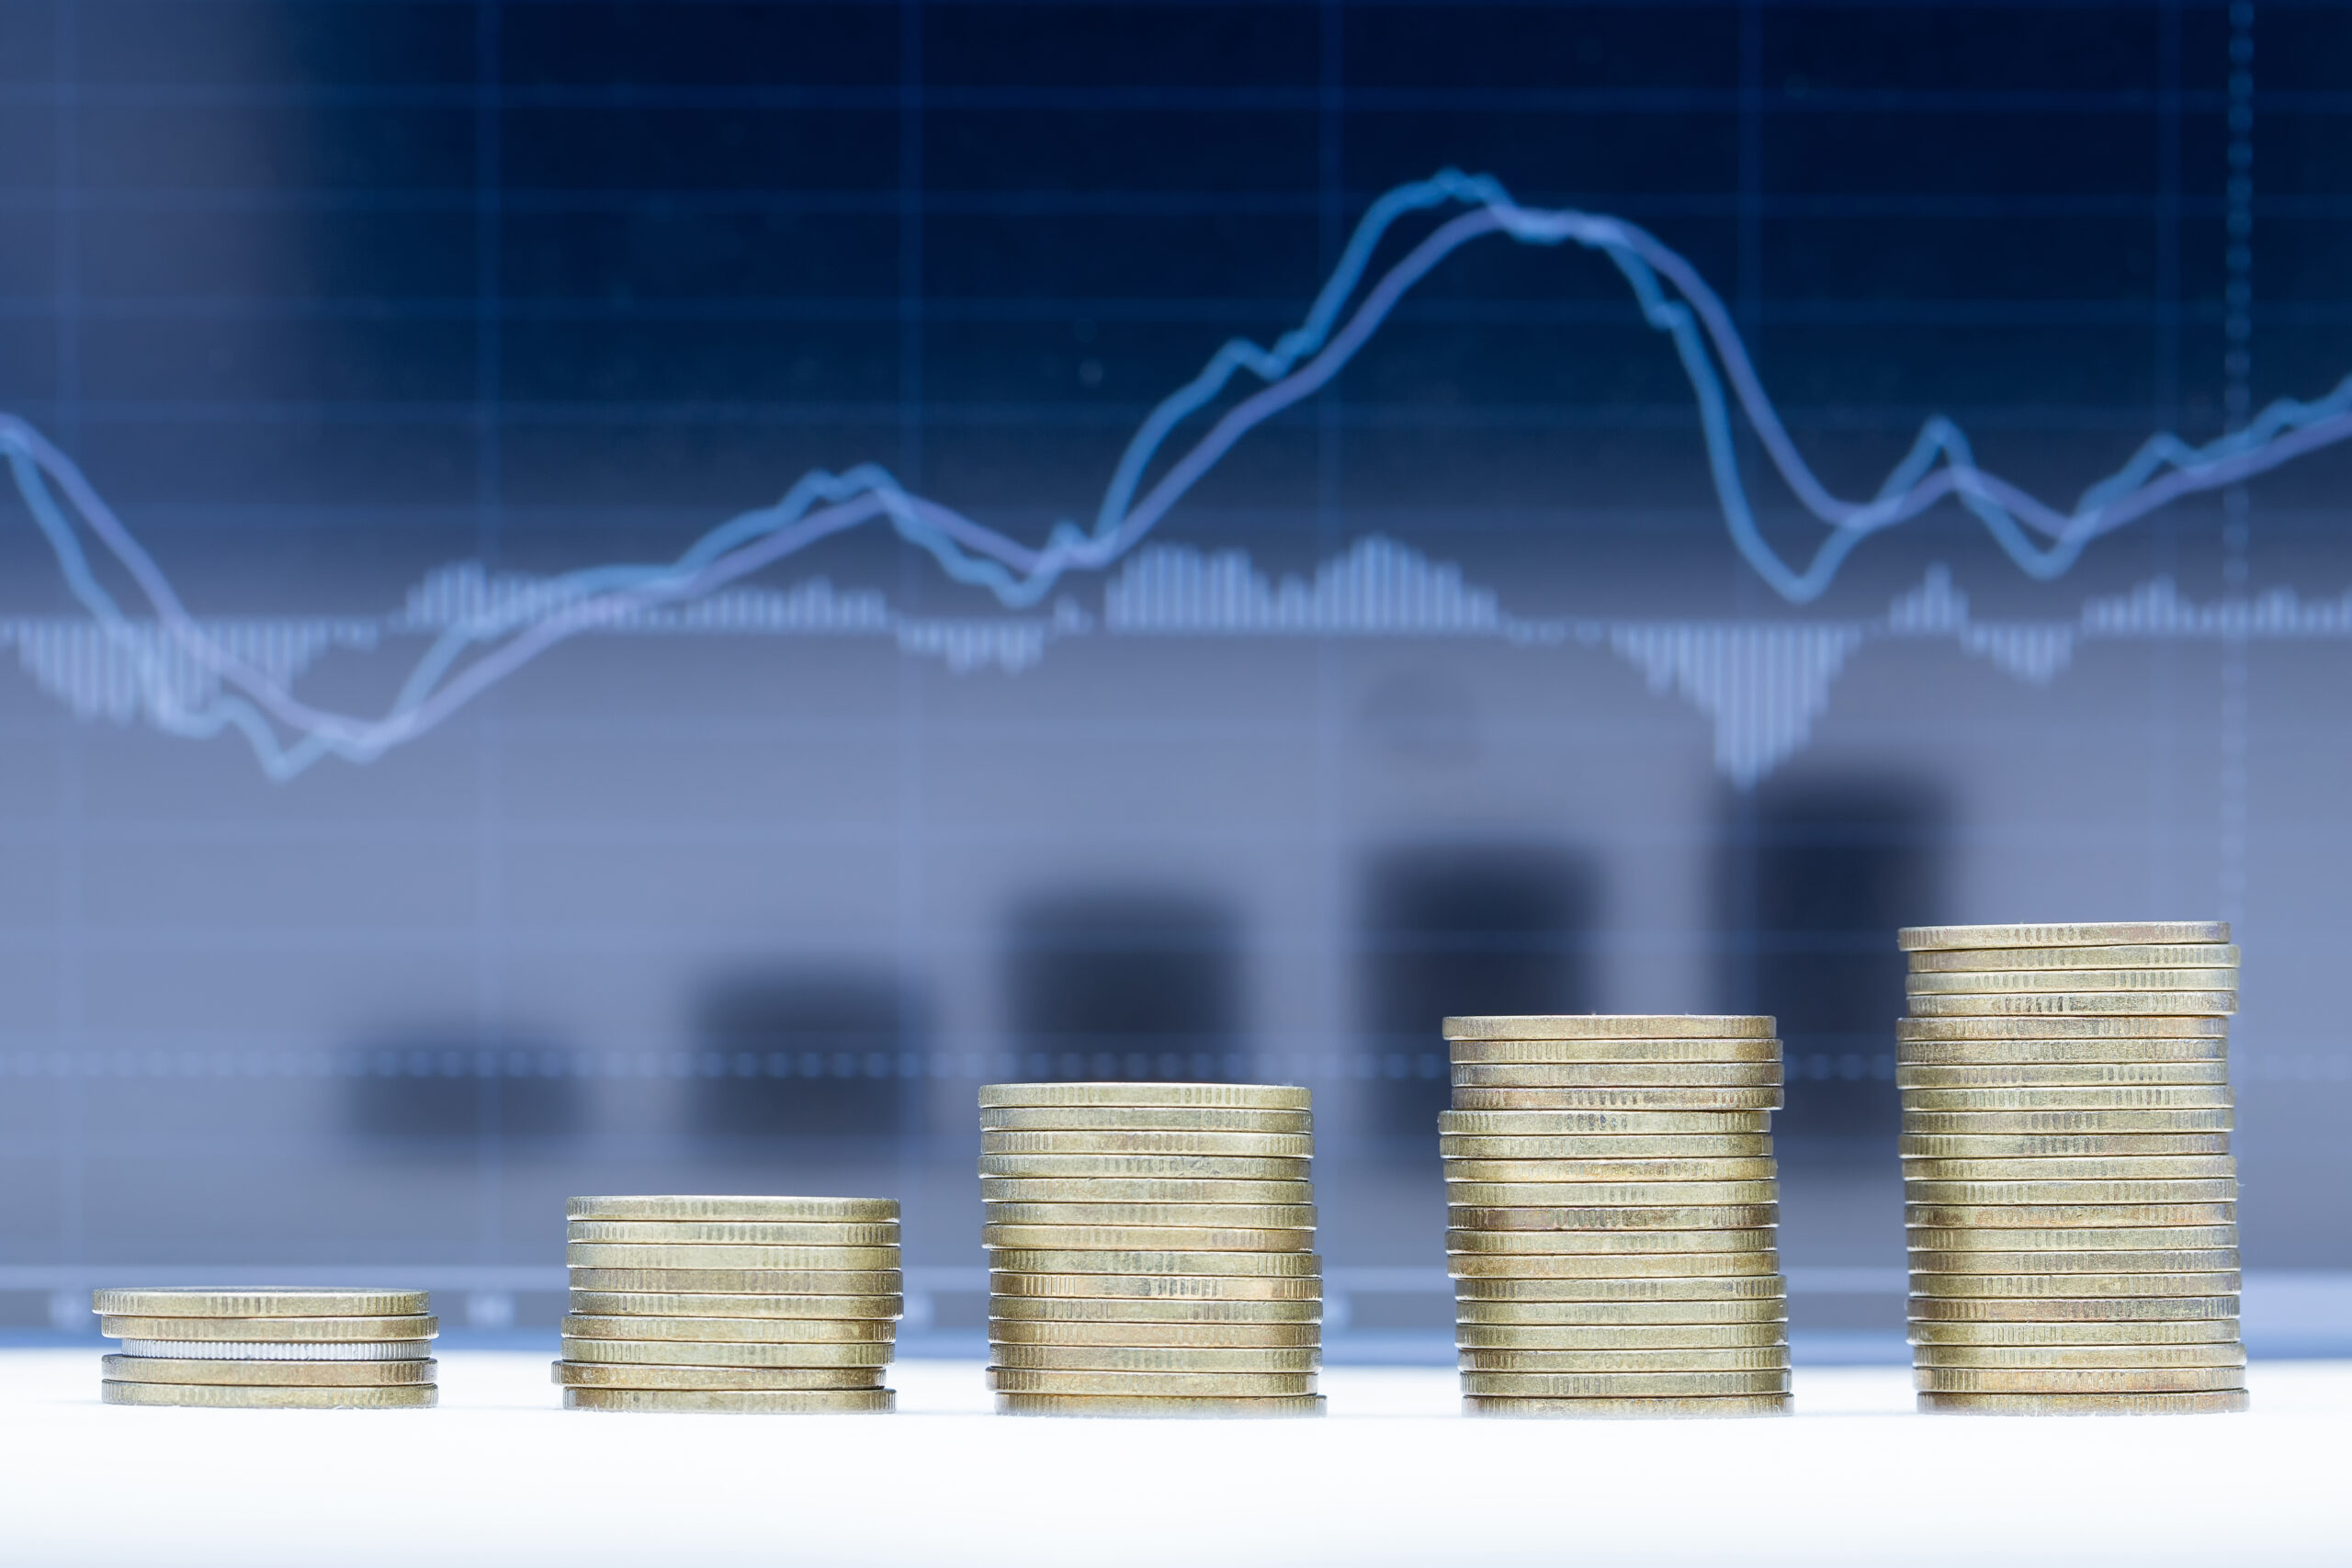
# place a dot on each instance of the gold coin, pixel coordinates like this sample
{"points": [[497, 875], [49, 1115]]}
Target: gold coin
{"points": [[2067, 1074], [1214, 1096], [1287, 1145], [261, 1302], [1617, 1075], [2054, 1052], [2220, 1190], [2060, 1145], [1756, 1359], [736, 1330], [1604, 1195], [1608, 1266], [1621, 1386], [1602, 1123], [1709, 1287], [263, 1350], [2177, 955], [1210, 1167], [2018, 982], [729, 1402], [1520, 1243], [1619, 1337], [318, 1330], [743, 1281], [2122, 933], [2080, 1358], [2073, 1309], [1110, 1190], [2183, 1097], [1158, 1287], [778, 1380], [1159, 1335], [2076, 1239], [731, 1233], [232, 1396], [1981, 1123], [1151, 1359], [2111, 1026], [2204, 1283], [827, 1260], [873, 1306], [1143, 1238], [2195, 1004], [2069, 1168], [2197, 1261], [1617, 1098], [1631, 1409], [726, 1353], [2192, 1331], [2063, 1380], [1280, 1265], [805, 1211], [1140, 1119], [1221, 1385], [1464, 1213], [1564, 1051], [1613, 1314], [1610, 1026], [1733, 1145], [2226, 1403], [1158, 1314], [266, 1374], [1167, 1216], [1159, 1408], [1619, 1171]]}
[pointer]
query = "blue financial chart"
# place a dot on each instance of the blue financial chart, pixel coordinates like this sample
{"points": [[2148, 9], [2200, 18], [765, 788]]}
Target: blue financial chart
{"points": [[638, 597]]}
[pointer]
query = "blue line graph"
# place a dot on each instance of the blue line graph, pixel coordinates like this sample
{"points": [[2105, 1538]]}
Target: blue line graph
{"points": [[245, 687]]}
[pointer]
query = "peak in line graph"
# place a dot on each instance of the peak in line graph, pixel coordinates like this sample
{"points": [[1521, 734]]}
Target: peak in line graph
{"points": [[1762, 683]]}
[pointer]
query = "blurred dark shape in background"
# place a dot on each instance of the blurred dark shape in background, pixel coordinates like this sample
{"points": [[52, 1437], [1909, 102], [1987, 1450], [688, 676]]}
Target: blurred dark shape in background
{"points": [[1135, 984], [799, 1054], [435, 1086]]}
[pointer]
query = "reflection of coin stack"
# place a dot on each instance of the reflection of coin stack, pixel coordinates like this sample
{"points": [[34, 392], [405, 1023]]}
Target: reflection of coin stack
{"points": [[269, 1349], [1613, 1205], [1151, 1249], [2071, 1199], [776, 1305]]}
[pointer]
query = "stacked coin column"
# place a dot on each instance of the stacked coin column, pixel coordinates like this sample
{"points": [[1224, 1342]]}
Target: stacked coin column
{"points": [[1151, 1249], [749, 1306], [1613, 1205], [287, 1349], [2071, 1200]]}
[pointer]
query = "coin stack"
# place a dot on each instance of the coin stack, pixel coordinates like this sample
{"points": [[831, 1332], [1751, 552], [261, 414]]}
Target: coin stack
{"points": [[269, 1349], [1613, 1204], [2071, 1201], [1151, 1249], [744, 1305]]}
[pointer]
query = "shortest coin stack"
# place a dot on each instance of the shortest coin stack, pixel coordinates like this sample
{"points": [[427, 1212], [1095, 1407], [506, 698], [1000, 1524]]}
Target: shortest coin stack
{"points": [[269, 1349], [742, 1305]]}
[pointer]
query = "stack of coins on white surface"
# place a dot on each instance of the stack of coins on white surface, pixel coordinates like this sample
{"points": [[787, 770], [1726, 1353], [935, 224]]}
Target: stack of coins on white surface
{"points": [[1613, 1207], [292, 1349], [2071, 1199], [724, 1305], [1151, 1249]]}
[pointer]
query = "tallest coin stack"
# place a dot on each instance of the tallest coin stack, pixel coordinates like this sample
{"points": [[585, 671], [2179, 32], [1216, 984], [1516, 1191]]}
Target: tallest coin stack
{"points": [[2071, 1200]]}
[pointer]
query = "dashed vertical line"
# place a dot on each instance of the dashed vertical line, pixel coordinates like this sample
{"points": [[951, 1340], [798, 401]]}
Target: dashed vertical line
{"points": [[2237, 505]]}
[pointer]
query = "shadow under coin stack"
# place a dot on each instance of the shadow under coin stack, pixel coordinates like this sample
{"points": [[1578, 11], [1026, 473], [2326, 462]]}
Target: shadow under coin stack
{"points": [[1151, 1249], [280, 1350], [1613, 1205], [736, 1305], [2071, 1201]]}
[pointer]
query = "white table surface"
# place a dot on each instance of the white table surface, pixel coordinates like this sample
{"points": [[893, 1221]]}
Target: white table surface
{"points": [[500, 1474]]}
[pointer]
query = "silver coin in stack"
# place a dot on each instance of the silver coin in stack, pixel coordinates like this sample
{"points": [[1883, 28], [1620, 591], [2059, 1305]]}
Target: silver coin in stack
{"points": [[2071, 1213], [741, 1304], [268, 1348], [1613, 1213], [1151, 1249]]}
